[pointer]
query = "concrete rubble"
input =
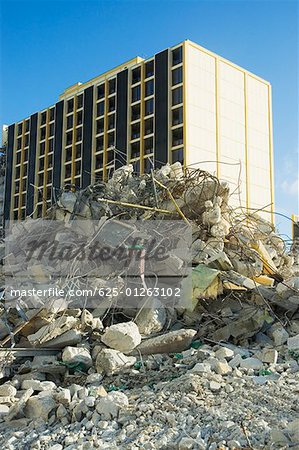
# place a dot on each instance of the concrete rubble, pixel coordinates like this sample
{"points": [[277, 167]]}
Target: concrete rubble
{"points": [[218, 371]]}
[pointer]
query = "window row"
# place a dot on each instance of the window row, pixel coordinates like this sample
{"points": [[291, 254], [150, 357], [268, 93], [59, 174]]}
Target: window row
{"points": [[111, 88], [71, 103], [20, 127], [69, 152], [148, 147], [136, 91], [70, 120], [68, 169], [100, 141], [42, 132], [148, 72], [110, 106], [78, 136]]}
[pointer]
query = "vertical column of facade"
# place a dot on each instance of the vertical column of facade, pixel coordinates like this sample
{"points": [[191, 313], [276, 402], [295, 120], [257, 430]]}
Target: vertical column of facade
{"points": [[21, 168], [247, 172], [31, 165], [177, 105], [110, 124], [99, 132], [135, 118], [147, 112], [161, 108], [87, 137], [72, 141], [122, 118], [271, 154], [9, 172], [58, 147]]}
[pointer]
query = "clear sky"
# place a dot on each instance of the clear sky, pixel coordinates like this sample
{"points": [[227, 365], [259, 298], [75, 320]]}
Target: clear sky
{"points": [[49, 45]]}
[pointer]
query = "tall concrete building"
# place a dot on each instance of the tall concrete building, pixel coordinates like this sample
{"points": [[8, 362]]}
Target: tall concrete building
{"points": [[183, 104]]}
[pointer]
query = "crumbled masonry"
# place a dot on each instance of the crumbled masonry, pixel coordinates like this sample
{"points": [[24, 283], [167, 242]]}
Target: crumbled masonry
{"points": [[220, 371]]}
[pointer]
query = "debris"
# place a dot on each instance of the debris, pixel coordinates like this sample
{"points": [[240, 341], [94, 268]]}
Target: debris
{"points": [[122, 336], [111, 361], [171, 342]]}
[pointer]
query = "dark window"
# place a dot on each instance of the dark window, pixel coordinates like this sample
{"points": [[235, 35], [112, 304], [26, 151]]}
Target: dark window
{"points": [[20, 128], [177, 76], [26, 154], [26, 140], [177, 116], [148, 145], [177, 96], [78, 151], [69, 138], [70, 105], [24, 185], [49, 192], [136, 166], [79, 119], [43, 133], [79, 134], [136, 75], [78, 168], [18, 157], [101, 91], [111, 104], [50, 161], [80, 101], [100, 126], [149, 69], [177, 56], [149, 88], [99, 176], [50, 175], [15, 215], [148, 126], [110, 156], [149, 107], [51, 145], [111, 139], [135, 150], [99, 143], [111, 121], [135, 112], [40, 181], [135, 131], [51, 129], [178, 155], [69, 122], [26, 126], [68, 154], [177, 136], [147, 165], [135, 94], [16, 202], [17, 172], [25, 169], [100, 109], [43, 118], [17, 187], [112, 86], [19, 143], [68, 171], [41, 163], [51, 114], [42, 148], [99, 161]]}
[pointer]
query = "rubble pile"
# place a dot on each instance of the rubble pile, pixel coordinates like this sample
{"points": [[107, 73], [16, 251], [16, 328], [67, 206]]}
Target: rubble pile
{"points": [[219, 370]]}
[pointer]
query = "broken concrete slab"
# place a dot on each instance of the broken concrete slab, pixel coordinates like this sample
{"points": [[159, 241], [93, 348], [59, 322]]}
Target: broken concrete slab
{"points": [[123, 336], [171, 342]]}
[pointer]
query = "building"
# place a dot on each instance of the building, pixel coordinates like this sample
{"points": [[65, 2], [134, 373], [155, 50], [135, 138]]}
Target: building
{"points": [[185, 103]]}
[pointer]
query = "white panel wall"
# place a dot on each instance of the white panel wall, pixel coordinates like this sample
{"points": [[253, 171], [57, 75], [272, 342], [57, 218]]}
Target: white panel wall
{"points": [[201, 110], [232, 103], [232, 151], [258, 145]]}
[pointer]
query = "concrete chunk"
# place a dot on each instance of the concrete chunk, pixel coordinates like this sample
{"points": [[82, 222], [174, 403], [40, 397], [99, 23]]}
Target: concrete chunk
{"points": [[122, 336], [171, 342]]}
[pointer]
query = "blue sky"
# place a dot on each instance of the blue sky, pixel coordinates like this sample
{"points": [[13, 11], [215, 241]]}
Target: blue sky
{"points": [[49, 45]]}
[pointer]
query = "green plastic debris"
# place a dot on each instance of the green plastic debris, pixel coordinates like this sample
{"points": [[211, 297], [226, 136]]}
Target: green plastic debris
{"points": [[196, 344], [178, 356], [264, 372], [76, 367], [112, 387], [137, 365]]}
